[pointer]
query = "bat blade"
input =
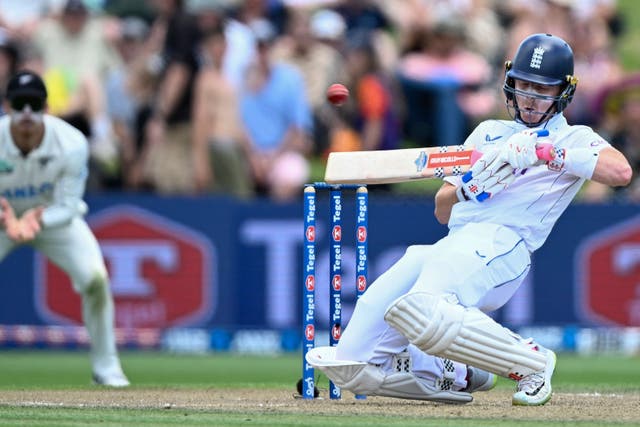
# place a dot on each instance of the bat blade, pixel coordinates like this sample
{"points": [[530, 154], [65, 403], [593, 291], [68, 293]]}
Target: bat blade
{"points": [[391, 166]]}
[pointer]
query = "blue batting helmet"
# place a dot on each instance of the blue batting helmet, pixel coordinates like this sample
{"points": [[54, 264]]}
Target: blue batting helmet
{"points": [[542, 59]]}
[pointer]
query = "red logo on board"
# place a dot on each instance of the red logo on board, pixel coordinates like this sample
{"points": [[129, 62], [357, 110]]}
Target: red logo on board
{"points": [[310, 282], [311, 233], [337, 282], [608, 274], [161, 272], [362, 234], [336, 332], [309, 333], [362, 283], [337, 233]]}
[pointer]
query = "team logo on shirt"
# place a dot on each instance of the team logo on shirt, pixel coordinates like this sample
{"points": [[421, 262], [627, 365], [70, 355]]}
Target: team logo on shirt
{"points": [[43, 161], [5, 167], [25, 191]]}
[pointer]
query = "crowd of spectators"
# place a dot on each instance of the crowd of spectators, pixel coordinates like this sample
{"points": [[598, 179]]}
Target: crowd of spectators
{"points": [[227, 96]]}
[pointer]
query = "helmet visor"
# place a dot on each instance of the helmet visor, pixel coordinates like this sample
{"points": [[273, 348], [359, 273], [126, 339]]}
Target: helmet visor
{"points": [[534, 78], [526, 115]]}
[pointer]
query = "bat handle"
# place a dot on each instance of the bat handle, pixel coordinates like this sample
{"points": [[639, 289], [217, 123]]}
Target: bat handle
{"points": [[545, 151]]}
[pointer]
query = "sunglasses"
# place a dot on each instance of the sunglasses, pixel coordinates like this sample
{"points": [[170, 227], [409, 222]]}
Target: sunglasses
{"points": [[18, 104]]}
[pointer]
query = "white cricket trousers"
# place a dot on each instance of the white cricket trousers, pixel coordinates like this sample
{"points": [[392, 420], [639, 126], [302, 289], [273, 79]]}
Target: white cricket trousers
{"points": [[481, 264], [75, 250]]}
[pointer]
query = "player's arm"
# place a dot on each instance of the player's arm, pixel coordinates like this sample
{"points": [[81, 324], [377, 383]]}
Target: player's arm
{"points": [[69, 189], [445, 199], [605, 165], [612, 168]]}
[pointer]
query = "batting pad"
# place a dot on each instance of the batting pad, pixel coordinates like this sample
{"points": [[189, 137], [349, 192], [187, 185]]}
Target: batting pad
{"points": [[466, 335]]}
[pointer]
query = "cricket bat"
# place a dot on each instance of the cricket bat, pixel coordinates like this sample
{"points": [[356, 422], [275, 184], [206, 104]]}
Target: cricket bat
{"points": [[391, 166]]}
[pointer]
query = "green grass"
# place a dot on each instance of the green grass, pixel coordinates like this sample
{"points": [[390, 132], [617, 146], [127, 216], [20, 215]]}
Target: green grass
{"points": [[27, 370], [78, 417], [60, 370], [31, 372]]}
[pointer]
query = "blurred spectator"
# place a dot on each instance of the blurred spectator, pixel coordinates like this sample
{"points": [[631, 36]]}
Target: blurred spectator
{"points": [[455, 79], [167, 148], [249, 11], [124, 8], [327, 26], [596, 65], [364, 18], [277, 116], [76, 56], [539, 16], [371, 112], [619, 107], [239, 39], [8, 62], [220, 142], [21, 18], [320, 63], [407, 18], [127, 95], [485, 33]]}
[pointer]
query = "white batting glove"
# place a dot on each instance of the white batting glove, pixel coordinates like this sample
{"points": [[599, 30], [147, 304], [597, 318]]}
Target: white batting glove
{"points": [[487, 177], [520, 149]]}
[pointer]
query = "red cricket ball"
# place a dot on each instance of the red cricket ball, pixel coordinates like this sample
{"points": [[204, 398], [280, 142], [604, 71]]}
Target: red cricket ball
{"points": [[337, 94]]}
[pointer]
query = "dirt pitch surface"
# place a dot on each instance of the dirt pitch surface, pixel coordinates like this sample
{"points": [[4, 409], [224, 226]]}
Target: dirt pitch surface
{"points": [[495, 404]]}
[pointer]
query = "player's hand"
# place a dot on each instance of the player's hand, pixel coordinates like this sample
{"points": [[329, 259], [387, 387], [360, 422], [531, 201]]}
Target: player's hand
{"points": [[520, 149], [487, 177], [31, 222], [10, 223]]}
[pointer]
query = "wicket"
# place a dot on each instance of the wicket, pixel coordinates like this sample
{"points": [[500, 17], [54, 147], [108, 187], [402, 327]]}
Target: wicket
{"points": [[335, 276]]}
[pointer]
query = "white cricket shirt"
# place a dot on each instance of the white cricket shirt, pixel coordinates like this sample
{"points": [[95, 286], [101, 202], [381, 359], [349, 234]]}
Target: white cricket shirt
{"points": [[54, 174], [532, 204]]}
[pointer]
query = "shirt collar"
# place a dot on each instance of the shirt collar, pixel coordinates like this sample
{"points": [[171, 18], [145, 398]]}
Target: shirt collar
{"points": [[553, 125], [556, 123]]}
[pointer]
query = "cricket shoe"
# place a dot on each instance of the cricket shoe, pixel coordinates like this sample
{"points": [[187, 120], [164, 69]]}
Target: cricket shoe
{"points": [[535, 388], [115, 378], [479, 380]]}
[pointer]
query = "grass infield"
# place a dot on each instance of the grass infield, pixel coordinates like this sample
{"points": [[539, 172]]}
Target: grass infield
{"points": [[53, 389]]}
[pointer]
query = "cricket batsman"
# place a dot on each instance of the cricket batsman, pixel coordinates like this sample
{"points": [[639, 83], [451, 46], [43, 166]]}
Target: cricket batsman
{"points": [[43, 169], [420, 331]]}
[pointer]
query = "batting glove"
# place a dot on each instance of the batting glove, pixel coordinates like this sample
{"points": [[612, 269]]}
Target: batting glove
{"points": [[486, 178], [520, 149]]}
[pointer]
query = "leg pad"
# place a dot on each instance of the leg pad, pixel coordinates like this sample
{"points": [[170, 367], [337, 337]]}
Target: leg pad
{"points": [[466, 335]]}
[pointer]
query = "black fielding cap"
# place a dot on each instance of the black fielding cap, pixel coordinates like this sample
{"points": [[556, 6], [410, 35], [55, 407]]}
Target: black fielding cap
{"points": [[27, 84]]}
